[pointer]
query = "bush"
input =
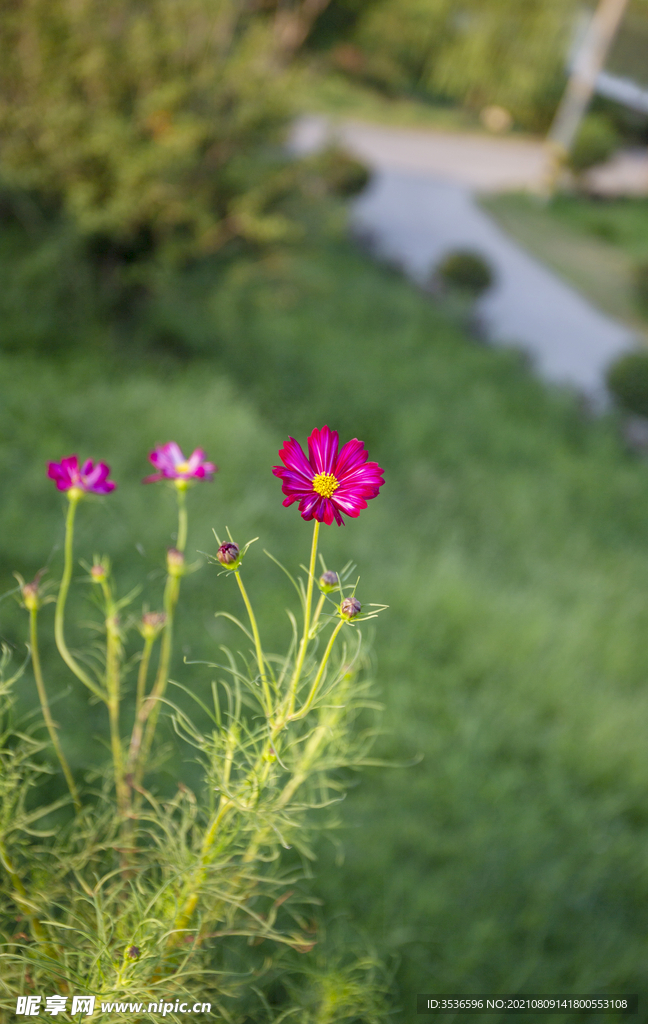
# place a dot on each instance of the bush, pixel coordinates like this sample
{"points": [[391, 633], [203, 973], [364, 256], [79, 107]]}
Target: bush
{"points": [[476, 52], [124, 893], [466, 271], [595, 143], [156, 123], [343, 174], [627, 379]]}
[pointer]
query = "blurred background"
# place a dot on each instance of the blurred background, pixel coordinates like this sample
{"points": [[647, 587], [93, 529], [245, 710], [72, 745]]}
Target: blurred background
{"points": [[185, 254]]}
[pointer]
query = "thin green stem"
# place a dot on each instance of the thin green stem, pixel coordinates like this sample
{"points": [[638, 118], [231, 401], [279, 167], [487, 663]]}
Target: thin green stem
{"points": [[149, 710], [21, 898], [45, 708], [318, 678], [307, 623], [185, 914], [181, 542], [59, 617], [146, 720], [143, 673], [113, 687], [257, 643], [318, 612]]}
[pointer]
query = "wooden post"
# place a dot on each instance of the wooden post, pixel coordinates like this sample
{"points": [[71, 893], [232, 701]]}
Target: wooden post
{"points": [[588, 63]]}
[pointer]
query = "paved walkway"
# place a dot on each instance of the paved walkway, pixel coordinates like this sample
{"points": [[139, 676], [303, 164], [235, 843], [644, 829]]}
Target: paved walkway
{"points": [[421, 203]]}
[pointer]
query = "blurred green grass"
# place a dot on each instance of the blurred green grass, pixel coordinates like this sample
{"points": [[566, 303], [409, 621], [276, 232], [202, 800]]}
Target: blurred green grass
{"points": [[337, 95], [592, 243], [510, 541]]}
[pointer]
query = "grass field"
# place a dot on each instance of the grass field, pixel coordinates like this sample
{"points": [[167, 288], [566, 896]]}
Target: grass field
{"points": [[338, 96], [506, 850], [592, 243]]}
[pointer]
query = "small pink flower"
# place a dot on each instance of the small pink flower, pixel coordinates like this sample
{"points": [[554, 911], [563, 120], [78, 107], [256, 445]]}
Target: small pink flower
{"points": [[327, 483], [89, 479], [172, 465]]}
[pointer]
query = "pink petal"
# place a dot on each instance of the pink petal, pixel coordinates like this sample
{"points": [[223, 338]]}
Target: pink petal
{"points": [[70, 464], [323, 449], [94, 476], [293, 458], [308, 503], [194, 460], [351, 504], [174, 452], [56, 472], [352, 455]]}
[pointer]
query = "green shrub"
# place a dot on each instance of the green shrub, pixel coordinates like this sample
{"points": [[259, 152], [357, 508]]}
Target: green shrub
{"points": [[627, 380], [155, 123], [595, 143], [476, 52], [466, 271], [344, 175]]}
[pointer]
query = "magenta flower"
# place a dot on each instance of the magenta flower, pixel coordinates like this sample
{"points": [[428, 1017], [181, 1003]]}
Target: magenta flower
{"points": [[327, 483], [89, 479], [172, 465]]}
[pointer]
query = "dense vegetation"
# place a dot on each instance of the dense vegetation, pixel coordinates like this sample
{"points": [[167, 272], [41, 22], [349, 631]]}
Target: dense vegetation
{"points": [[158, 286], [510, 543]]}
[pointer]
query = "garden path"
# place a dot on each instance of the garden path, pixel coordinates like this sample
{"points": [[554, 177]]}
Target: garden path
{"points": [[422, 203]]}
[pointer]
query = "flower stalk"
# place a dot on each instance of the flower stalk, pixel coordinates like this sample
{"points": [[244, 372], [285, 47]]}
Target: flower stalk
{"points": [[257, 644], [74, 496], [45, 708], [299, 664], [113, 694], [320, 672], [149, 709]]}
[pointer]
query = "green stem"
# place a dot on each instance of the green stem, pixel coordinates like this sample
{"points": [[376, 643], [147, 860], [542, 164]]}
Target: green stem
{"points": [[185, 914], [191, 889], [47, 715], [318, 678], [143, 673], [257, 644], [307, 617], [146, 721], [318, 612], [149, 709], [22, 900], [59, 618], [113, 686], [181, 541]]}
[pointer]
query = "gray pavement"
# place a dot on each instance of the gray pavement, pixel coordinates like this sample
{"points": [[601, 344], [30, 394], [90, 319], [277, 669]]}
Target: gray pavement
{"points": [[421, 204]]}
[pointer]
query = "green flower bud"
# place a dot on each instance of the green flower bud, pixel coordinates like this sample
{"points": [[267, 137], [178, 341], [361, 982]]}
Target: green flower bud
{"points": [[328, 582], [152, 623], [175, 562]]}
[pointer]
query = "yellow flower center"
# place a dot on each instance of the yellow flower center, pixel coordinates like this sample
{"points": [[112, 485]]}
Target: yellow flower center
{"points": [[325, 484], [182, 467]]}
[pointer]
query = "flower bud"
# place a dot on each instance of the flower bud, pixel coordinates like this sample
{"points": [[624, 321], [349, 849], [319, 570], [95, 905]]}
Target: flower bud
{"points": [[229, 555], [152, 623], [133, 953], [329, 581], [31, 596], [175, 562], [98, 573], [350, 607]]}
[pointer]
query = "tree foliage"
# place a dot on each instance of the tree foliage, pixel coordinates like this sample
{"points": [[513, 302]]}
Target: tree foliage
{"points": [[154, 120], [474, 51]]}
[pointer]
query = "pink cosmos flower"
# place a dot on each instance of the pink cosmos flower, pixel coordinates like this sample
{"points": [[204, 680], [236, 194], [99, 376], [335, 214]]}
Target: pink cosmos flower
{"points": [[327, 483], [172, 465], [89, 479]]}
